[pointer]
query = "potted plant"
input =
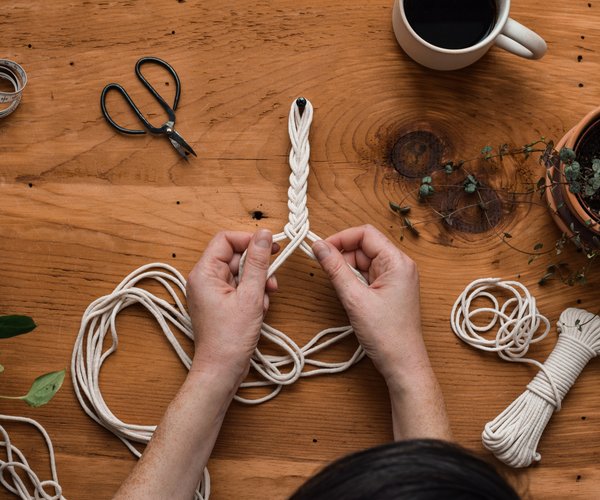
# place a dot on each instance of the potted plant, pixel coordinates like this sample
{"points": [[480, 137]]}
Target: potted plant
{"points": [[573, 183]]}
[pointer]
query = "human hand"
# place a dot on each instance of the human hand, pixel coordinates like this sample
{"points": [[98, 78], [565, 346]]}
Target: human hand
{"points": [[385, 314], [227, 310]]}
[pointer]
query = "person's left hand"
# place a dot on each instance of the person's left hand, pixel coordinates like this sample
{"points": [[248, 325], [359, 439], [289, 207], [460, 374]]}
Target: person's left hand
{"points": [[227, 310]]}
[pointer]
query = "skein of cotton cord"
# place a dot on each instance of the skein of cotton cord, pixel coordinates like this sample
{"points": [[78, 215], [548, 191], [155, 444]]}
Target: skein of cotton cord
{"points": [[514, 435], [13, 73]]}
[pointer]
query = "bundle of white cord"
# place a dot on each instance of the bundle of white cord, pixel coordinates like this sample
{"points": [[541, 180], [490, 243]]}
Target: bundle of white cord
{"points": [[513, 436], [15, 459], [99, 319]]}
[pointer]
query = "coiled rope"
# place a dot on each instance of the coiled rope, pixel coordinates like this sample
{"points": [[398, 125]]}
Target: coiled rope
{"points": [[99, 319], [15, 459], [514, 435]]}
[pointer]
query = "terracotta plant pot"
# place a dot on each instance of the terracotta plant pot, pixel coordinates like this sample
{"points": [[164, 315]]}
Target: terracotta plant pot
{"points": [[569, 210]]}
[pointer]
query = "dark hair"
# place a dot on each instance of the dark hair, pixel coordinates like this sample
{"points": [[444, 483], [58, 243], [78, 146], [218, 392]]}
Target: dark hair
{"points": [[424, 469]]}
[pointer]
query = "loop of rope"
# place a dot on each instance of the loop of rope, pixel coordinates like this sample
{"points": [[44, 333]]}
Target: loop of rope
{"points": [[513, 436], [275, 371], [517, 319], [15, 459]]}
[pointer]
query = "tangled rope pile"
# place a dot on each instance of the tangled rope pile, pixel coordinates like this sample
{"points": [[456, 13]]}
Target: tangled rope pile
{"points": [[15, 459], [513, 436], [99, 319]]}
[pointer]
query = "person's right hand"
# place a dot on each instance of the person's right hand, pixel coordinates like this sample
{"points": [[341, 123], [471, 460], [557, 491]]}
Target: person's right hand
{"points": [[385, 314]]}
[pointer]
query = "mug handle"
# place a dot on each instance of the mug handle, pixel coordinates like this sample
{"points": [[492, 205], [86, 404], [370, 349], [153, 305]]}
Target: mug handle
{"points": [[521, 41]]}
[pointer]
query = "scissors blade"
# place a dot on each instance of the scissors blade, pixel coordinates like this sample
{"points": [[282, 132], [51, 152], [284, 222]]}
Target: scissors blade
{"points": [[178, 142]]}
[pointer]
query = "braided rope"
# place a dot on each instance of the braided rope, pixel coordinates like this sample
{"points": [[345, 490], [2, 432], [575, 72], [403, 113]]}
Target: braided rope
{"points": [[99, 319]]}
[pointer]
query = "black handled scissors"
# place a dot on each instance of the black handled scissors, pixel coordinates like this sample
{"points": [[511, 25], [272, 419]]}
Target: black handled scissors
{"points": [[167, 128]]}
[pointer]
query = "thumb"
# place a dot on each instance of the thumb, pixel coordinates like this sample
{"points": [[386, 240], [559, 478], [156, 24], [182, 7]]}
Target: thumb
{"points": [[333, 263], [258, 257]]}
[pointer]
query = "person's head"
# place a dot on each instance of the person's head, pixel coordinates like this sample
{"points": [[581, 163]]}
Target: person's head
{"points": [[415, 470]]}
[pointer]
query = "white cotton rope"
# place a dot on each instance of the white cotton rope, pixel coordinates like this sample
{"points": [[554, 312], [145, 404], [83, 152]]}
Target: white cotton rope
{"points": [[513, 436], [16, 462], [275, 371]]}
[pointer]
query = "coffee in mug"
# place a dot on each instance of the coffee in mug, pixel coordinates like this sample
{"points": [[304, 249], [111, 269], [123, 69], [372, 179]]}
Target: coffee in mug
{"points": [[446, 35]]}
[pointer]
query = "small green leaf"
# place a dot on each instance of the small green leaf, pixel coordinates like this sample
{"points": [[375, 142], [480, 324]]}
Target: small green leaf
{"points": [[470, 188], [410, 226], [398, 209], [566, 155], [448, 168], [13, 325], [507, 235], [426, 180], [44, 388], [426, 190], [544, 279], [538, 246], [486, 149], [575, 187]]}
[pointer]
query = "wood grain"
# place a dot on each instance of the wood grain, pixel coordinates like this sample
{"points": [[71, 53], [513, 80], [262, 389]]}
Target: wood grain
{"points": [[81, 206]]}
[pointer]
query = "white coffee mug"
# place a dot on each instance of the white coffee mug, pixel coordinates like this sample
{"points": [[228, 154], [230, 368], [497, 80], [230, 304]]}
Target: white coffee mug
{"points": [[507, 33]]}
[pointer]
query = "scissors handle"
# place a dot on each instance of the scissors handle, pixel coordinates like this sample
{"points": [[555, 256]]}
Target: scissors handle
{"points": [[168, 109]]}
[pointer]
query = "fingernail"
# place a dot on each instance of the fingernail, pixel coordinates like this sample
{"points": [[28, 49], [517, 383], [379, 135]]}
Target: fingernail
{"points": [[263, 238], [320, 249]]}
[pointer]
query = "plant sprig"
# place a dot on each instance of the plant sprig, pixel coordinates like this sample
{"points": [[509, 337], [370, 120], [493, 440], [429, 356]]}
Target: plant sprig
{"points": [[472, 186]]}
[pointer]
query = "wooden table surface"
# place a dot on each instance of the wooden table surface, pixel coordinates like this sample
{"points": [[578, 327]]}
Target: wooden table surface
{"points": [[81, 206]]}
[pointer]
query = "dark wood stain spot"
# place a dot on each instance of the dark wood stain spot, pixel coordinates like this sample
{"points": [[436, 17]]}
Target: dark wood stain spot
{"points": [[580, 85], [579, 58], [417, 154], [578, 478], [471, 213], [173, 255], [30, 185], [257, 215]]}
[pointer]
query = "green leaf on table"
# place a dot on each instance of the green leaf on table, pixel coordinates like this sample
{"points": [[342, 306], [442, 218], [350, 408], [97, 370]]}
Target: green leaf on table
{"points": [[538, 246], [44, 388], [399, 209], [426, 190], [13, 325]]}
